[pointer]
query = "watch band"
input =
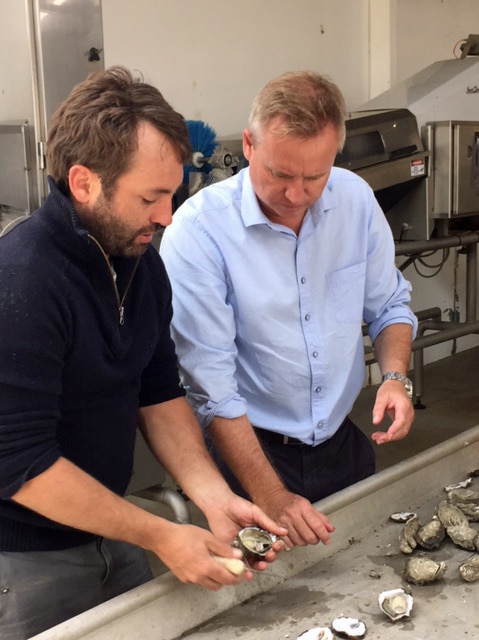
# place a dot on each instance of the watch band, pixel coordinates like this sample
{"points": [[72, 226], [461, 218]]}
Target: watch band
{"points": [[395, 375]]}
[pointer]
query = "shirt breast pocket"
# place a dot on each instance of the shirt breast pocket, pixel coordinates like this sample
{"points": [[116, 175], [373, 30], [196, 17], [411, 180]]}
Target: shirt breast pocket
{"points": [[346, 287]]}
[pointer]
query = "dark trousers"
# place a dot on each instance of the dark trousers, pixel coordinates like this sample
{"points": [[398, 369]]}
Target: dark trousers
{"points": [[40, 589], [314, 472]]}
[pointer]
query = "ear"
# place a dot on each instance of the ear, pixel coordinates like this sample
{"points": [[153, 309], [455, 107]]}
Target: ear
{"points": [[84, 184], [247, 144]]}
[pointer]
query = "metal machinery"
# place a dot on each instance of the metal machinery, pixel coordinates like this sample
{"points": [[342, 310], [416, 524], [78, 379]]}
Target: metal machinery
{"points": [[417, 145]]}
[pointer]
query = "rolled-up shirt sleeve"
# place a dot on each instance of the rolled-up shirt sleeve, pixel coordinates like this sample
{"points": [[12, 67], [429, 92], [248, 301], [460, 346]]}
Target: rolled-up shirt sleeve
{"points": [[202, 316]]}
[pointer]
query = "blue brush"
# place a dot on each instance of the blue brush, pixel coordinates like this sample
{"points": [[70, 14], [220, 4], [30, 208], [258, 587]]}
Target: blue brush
{"points": [[203, 142]]}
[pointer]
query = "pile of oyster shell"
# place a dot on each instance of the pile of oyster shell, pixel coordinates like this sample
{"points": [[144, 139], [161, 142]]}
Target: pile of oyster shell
{"points": [[451, 521]]}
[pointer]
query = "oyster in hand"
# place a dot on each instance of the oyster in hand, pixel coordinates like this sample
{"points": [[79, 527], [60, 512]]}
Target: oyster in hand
{"points": [[407, 537], [423, 570]]}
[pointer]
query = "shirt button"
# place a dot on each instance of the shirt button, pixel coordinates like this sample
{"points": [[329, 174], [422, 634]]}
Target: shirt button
{"points": [[307, 317], [315, 354], [318, 389], [303, 280], [319, 425]]}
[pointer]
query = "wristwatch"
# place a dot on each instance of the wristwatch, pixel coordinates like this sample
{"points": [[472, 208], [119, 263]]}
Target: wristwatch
{"points": [[395, 375]]}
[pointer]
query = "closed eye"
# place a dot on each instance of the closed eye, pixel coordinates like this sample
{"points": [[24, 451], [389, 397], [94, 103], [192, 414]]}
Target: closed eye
{"points": [[148, 202]]}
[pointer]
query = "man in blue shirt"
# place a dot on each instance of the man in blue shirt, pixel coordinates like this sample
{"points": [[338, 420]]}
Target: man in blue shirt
{"points": [[273, 273]]}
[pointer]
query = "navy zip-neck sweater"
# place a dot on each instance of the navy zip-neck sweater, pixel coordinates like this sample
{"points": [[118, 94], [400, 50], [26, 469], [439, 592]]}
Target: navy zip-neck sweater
{"points": [[71, 376]]}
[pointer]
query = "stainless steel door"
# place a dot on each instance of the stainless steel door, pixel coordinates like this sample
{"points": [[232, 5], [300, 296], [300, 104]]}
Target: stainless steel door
{"points": [[67, 46]]}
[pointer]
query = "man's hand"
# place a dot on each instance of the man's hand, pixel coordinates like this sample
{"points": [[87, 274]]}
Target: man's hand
{"points": [[304, 523], [392, 399], [235, 513], [191, 553]]}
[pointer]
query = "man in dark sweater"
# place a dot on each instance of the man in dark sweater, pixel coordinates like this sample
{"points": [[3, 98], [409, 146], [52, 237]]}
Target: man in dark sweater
{"points": [[85, 357]]}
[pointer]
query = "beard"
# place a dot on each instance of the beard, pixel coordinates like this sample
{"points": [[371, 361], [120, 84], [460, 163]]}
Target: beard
{"points": [[116, 237]]}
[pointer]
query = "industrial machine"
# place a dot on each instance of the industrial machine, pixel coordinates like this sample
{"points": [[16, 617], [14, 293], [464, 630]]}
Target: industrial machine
{"points": [[442, 191]]}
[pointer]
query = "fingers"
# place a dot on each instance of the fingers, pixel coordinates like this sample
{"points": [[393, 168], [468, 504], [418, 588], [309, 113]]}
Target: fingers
{"points": [[266, 523], [306, 526]]}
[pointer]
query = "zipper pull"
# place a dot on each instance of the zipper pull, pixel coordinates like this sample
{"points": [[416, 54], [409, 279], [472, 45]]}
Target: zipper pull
{"points": [[121, 310]]}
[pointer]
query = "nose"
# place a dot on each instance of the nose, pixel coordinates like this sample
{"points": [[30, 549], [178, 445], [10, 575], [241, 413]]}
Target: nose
{"points": [[162, 213], [295, 192]]}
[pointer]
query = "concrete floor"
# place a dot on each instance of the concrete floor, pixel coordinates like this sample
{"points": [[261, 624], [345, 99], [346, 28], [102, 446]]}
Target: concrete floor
{"points": [[451, 399]]}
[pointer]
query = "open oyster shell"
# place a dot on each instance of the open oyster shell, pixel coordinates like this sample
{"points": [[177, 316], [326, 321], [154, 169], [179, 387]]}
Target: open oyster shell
{"points": [[423, 570], [254, 542], [395, 603], [345, 627], [469, 569], [402, 516]]}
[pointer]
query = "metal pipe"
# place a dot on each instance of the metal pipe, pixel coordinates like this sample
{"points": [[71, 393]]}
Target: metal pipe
{"points": [[444, 334], [419, 246], [471, 283], [170, 498]]}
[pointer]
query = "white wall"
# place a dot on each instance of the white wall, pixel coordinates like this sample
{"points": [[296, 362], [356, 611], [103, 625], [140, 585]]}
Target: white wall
{"points": [[211, 58]]}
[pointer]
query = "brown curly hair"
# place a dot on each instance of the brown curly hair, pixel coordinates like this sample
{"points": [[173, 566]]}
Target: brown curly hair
{"points": [[96, 126]]}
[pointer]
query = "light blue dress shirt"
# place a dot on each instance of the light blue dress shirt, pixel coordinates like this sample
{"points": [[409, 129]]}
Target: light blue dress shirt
{"points": [[267, 322]]}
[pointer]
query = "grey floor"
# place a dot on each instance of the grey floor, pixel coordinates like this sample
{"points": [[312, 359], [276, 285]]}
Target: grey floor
{"points": [[451, 399]]}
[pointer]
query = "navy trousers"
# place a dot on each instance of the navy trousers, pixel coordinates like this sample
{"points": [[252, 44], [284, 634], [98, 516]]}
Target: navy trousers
{"points": [[315, 472]]}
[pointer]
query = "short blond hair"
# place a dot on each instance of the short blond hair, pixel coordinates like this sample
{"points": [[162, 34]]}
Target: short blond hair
{"points": [[303, 103]]}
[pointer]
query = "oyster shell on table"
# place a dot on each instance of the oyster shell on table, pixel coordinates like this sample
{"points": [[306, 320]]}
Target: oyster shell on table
{"points": [[345, 627], [402, 516], [407, 537], [459, 485], [469, 569], [431, 534], [464, 536], [450, 515], [395, 603], [423, 570], [467, 500], [316, 633]]}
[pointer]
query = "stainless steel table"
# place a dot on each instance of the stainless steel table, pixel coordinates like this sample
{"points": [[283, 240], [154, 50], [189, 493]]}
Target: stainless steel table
{"points": [[309, 587]]}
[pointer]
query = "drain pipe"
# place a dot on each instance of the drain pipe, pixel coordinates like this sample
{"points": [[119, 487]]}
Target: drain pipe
{"points": [[170, 498]]}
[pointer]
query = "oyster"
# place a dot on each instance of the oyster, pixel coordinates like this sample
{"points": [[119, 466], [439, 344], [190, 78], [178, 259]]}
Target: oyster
{"points": [[450, 515], [407, 537], [254, 542], [316, 633], [467, 500], [469, 569], [423, 570], [402, 516], [430, 535], [395, 603], [348, 627], [459, 485], [464, 536]]}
